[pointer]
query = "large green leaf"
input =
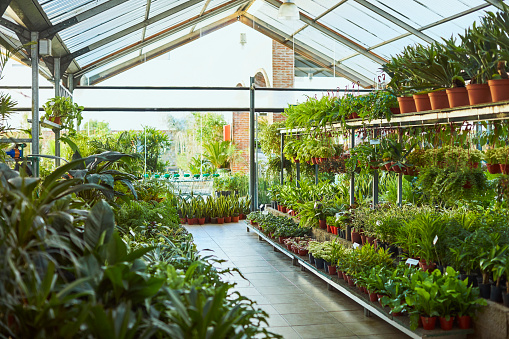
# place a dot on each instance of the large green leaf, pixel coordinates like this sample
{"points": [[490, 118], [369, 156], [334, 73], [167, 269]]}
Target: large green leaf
{"points": [[99, 224]]}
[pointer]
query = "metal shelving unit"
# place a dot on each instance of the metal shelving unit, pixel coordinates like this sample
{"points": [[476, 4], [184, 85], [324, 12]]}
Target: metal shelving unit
{"points": [[401, 323]]}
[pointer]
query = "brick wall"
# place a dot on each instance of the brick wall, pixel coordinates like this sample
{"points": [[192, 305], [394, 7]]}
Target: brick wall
{"points": [[282, 77], [282, 71]]}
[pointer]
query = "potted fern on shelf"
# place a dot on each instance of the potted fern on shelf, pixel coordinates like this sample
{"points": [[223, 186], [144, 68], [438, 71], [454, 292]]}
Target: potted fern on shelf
{"points": [[64, 112]]}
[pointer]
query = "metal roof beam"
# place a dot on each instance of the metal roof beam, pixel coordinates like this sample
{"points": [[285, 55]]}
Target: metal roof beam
{"points": [[3, 6], [395, 20], [305, 50], [159, 36], [131, 29], [497, 3], [147, 14], [204, 8], [333, 34], [51, 31], [423, 28], [162, 50]]}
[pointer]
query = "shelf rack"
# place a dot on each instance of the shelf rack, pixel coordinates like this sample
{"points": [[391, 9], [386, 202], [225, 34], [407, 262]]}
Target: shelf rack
{"points": [[401, 323], [56, 130]]}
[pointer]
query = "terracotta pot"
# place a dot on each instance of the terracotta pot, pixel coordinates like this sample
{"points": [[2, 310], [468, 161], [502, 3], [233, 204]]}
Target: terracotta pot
{"points": [[281, 240], [388, 167], [345, 277], [446, 325], [396, 314], [227, 219], [365, 290], [329, 229], [494, 168], [504, 168], [220, 220], [56, 120], [467, 185], [353, 116], [235, 219], [458, 96], [303, 252], [395, 168], [183, 220], [464, 322], [283, 209], [422, 102], [370, 240], [201, 221], [406, 105], [499, 89], [242, 216], [322, 224], [478, 94], [439, 99], [356, 237], [332, 270], [192, 221], [340, 274], [213, 220], [428, 323], [295, 160], [351, 282], [395, 110], [373, 297], [363, 239], [380, 296]]}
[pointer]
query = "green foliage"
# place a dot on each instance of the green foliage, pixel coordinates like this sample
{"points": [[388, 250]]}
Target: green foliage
{"points": [[68, 111], [219, 153]]}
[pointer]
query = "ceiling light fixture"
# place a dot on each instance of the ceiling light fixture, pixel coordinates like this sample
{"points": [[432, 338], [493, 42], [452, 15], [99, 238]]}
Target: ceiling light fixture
{"points": [[288, 11]]}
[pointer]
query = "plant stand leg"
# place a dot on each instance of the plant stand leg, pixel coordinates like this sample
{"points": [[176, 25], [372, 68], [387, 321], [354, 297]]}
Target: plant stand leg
{"points": [[295, 261], [247, 229], [260, 238], [275, 249], [367, 313], [329, 287], [302, 268]]}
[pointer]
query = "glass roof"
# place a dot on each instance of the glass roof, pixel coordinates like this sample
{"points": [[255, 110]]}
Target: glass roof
{"points": [[339, 30]]}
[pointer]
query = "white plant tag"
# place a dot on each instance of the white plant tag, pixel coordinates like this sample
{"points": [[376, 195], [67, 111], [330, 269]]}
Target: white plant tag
{"points": [[435, 240], [374, 141], [411, 262], [265, 212], [355, 245]]}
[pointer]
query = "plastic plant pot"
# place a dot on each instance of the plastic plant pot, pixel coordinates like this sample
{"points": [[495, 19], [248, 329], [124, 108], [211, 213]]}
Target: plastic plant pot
{"points": [[187, 175], [157, 176], [146, 175], [166, 175]]}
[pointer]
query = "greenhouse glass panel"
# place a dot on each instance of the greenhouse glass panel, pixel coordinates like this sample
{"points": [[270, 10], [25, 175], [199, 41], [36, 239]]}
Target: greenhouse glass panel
{"points": [[215, 18], [361, 25], [109, 48], [113, 63], [456, 26], [364, 66], [214, 3], [397, 46], [159, 6], [268, 14], [323, 43], [60, 10], [103, 25], [165, 41], [173, 20]]}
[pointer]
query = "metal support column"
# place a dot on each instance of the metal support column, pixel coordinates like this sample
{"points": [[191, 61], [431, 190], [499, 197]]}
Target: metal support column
{"points": [[282, 178], [297, 165], [70, 85], [252, 165], [34, 56], [375, 177], [57, 77], [352, 177], [400, 177]]}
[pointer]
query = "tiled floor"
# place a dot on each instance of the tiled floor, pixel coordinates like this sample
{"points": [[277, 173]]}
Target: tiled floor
{"points": [[298, 303]]}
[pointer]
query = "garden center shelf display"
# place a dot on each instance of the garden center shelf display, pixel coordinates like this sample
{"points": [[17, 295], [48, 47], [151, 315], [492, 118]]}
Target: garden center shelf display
{"points": [[409, 205]]}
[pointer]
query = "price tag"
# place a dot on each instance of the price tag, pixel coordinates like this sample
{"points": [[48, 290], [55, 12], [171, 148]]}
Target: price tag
{"points": [[435, 240], [265, 212], [411, 262], [374, 141], [262, 206], [355, 245]]}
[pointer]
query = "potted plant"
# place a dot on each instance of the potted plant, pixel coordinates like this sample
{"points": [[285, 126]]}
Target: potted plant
{"points": [[424, 302], [492, 161], [62, 111], [467, 302], [502, 154]]}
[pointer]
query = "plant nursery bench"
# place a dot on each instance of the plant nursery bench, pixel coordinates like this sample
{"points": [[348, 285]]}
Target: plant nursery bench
{"points": [[334, 283]]}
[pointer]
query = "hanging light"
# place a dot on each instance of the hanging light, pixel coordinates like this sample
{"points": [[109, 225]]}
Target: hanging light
{"points": [[288, 11]]}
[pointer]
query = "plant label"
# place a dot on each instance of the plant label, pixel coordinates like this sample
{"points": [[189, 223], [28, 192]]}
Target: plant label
{"points": [[374, 142], [355, 245], [411, 262], [435, 240], [265, 212]]}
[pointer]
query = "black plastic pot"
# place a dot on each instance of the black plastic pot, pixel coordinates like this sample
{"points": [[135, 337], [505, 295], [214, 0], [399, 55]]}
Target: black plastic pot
{"points": [[485, 290], [349, 233], [311, 259], [505, 297], [326, 266], [319, 263], [393, 250], [496, 294]]}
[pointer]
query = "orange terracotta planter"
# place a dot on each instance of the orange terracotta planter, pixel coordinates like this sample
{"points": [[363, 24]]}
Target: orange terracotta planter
{"points": [[457, 96], [439, 100], [406, 105], [478, 94], [499, 89], [422, 102]]}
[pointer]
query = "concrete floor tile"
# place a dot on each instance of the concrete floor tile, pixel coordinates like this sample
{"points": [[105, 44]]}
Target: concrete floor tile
{"points": [[295, 307], [286, 332], [360, 328], [322, 331], [278, 290], [354, 317], [318, 318], [288, 298], [276, 320]]}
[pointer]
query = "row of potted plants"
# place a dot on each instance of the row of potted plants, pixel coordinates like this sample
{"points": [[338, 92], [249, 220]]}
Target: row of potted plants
{"points": [[213, 209], [434, 76]]}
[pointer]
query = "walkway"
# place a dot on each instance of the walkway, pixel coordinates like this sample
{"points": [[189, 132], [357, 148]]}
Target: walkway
{"points": [[299, 304]]}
